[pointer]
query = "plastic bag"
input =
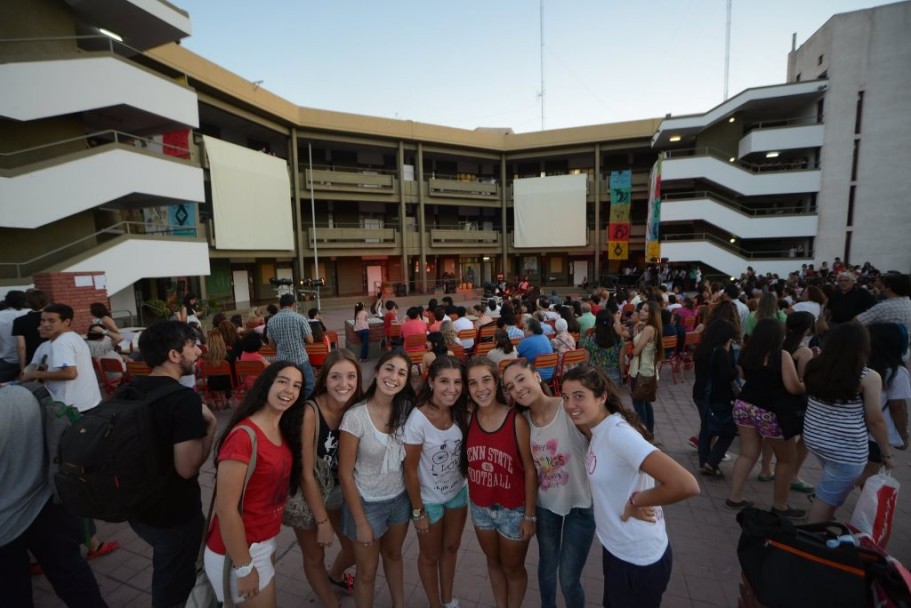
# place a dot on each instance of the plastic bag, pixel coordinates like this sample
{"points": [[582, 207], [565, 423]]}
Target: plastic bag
{"points": [[876, 507]]}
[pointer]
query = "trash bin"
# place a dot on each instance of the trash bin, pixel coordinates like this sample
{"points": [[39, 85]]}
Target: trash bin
{"points": [[400, 290]]}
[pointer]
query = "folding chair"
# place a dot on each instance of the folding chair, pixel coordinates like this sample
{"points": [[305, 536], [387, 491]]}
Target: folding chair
{"points": [[482, 348], [214, 369], [469, 334], [333, 338], [485, 334], [458, 351], [268, 352], [692, 340], [317, 353], [247, 372], [416, 342], [393, 335], [549, 362], [416, 357], [501, 367], [569, 360], [689, 323], [111, 366], [137, 368], [669, 343]]}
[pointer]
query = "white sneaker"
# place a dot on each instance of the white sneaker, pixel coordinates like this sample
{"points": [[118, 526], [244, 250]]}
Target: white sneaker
{"points": [[453, 604]]}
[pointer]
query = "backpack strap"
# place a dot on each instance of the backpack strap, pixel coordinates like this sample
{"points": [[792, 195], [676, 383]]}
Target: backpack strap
{"points": [[226, 572]]}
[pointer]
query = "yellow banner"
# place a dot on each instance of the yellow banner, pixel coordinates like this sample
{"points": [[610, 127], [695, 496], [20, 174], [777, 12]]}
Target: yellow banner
{"points": [[653, 251], [617, 250]]}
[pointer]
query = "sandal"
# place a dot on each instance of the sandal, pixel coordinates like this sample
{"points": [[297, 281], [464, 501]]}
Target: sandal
{"points": [[790, 512], [105, 548], [743, 504], [346, 584], [762, 477], [802, 486]]}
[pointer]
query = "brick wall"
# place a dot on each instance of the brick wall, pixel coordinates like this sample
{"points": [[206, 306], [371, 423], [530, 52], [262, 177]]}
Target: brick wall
{"points": [[76, 289]]}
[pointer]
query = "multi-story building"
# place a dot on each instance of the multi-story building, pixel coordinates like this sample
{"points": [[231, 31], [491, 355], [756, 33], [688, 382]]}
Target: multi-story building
{"points": [[814, 168], [105, 141]]}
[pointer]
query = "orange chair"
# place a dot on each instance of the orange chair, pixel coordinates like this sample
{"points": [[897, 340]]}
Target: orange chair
{"points": [[469, 334], [333, 338], [317, 353], [393, 335], [268, 351], [569, 360], [458, 351], [689, 323], [416, 357], [416, 342], [549, 362], [689, 349], [111, 366], [515, 341], [99, 373], [485, 334], [669, 343], [212, 369], [247, 372], [576, 337], [483, 348], [137, 368], [501, 367]]}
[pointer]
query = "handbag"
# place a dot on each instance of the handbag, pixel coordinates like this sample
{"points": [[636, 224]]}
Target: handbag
{"points": [[646, 388], [296, 507], [203, 594], [791, 566], [875, 508]]}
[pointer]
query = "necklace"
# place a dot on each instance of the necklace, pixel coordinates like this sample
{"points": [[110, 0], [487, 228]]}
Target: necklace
{"points": [[386, 423]]}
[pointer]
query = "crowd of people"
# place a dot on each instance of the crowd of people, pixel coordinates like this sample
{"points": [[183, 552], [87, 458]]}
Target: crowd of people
{"points": [[813, 363]]}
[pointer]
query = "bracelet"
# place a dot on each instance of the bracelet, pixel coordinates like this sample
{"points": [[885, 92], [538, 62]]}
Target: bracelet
{"points": [[322, 521], [632, 502], [530, 518]]}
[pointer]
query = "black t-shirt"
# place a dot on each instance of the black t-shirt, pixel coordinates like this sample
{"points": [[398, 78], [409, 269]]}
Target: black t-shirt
{"points": [[27, 327], [175, 418], [846, 306]]}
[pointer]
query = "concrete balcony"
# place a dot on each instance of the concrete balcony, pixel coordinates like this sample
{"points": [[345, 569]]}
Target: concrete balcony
{"points": [[110, 89], [352, 238], [117, 174], [360, 182], [738, 219], [726, 257], [743, 178], [464, 238], [143, 24], [473, 190], [788, 137]]}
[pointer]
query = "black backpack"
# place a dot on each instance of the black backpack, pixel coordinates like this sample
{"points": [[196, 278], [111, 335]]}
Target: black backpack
{"points": [[110, 466], [56, 417]]}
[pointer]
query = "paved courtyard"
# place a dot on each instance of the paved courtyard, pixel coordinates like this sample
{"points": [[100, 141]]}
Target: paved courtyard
{"points": [[702, 531]]}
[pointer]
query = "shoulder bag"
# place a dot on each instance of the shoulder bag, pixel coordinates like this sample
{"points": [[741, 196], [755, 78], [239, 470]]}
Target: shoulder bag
{"points": [[296, 508]]}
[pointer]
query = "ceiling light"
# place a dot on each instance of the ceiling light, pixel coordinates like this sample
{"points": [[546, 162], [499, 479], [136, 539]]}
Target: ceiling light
{"points": [[675, 138], [732, 159], [771, 154], [731, 119], [733, 240], [110, 34], [733, 279]]}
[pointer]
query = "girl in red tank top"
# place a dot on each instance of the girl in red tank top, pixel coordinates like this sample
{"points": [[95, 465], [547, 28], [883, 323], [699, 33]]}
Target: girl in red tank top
{"points": [[502, 482]]}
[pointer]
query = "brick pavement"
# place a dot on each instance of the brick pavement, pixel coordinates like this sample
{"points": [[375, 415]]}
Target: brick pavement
{"points": [[703, 533]]}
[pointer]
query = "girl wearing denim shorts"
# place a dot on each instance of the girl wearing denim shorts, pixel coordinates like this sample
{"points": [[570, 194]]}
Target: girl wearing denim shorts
{"points": [[371, 451], [565, 521], [502, 482], [435, 477], [843, 406]]}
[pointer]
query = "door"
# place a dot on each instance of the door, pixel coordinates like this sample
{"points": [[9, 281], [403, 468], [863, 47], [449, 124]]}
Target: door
{"points": [[374, 279], [241, 279], [580, 271]]}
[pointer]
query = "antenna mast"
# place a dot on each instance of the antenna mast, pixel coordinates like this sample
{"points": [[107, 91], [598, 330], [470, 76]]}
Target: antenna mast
{"points": [[727, 49], [541, 94]]}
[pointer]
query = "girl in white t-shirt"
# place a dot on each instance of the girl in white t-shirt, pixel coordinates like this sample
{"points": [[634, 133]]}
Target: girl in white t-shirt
{"points": [[435, 470], [622, 470], [371, 451]]}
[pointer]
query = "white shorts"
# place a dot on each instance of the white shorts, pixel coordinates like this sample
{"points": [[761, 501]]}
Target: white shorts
{"points": [[262, 559]]}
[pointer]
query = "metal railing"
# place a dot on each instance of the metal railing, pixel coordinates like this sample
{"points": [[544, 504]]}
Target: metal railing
{"points": [[749, 254], [799, 165], [740, 207], [88, 42], [781, 123], [100, 138], [18, 270], [346, 169]]}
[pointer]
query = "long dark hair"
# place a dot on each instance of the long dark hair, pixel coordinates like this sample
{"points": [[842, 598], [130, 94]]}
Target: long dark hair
{"points": [[605, 334], [887, 343], [597, 382], [797, 326], [438, 344], [459, 408], [502, 341], [766, 338], [724, 310], [288, 425], [404, 400], [835, 374], [716, 334]]}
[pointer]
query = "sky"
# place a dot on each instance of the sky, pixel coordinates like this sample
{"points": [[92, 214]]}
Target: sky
{"points": [[478, 64]]}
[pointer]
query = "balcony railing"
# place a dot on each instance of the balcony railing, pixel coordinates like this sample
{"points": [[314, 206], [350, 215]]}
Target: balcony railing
{"points": [[447, 237], [349, 179], [19, 270], [790, 209], [24, 49], [787, 122], [796, 165], [750, 254], [347, 237], [455, 188]]}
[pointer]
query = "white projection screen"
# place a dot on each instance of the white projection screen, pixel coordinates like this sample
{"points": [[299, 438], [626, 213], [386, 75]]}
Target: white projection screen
{"points": [[550, 211], [251, 198]]}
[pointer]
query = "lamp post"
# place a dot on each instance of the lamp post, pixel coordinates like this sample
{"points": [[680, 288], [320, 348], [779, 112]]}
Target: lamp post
{"points": [[318, 282]]}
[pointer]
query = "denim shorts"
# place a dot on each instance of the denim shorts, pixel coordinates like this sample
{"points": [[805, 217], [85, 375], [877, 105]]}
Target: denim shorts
{"points": [[837, 481], [380, 515], [505, 521], [459, 501]]}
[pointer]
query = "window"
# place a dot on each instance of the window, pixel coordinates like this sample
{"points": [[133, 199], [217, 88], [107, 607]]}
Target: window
{"points": [[819, 60], [797, 78], [858, 115]]}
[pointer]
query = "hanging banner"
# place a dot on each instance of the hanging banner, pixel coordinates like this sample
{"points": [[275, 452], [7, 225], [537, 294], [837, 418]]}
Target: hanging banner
{"points": [[653, 222], [618, 229], [182, 219]]}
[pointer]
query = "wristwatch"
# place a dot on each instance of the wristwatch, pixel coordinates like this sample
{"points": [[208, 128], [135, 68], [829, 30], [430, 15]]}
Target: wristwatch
{"points": [[242, 571], [417, 514]]}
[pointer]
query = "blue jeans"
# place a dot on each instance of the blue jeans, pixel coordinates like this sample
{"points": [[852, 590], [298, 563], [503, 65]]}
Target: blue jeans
{"points": [[364, 335], [643, 410], [563, 545], [716, 423], [51, 538], [174, 552], [309, 381]]}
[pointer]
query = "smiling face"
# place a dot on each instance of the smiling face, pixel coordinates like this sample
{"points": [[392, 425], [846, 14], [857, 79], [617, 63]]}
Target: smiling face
{"points": [[482, 386], [342, 381], [392, 376], [285, 389], [522, 384], [582, 405], [446, 388]]}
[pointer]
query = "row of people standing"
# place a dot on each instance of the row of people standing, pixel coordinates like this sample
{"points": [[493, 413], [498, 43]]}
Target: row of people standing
{"points": [[366, 465]]}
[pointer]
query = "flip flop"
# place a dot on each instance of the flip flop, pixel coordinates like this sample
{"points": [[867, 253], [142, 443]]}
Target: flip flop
{"points": [[802, 486], [103, 549], [346, 584]]}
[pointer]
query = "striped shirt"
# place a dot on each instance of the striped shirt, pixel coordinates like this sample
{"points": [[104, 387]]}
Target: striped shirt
{"points": [[837, 431]]}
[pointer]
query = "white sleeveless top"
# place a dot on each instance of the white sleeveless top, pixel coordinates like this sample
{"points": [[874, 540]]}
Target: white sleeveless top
{"points": [[559, 450]]}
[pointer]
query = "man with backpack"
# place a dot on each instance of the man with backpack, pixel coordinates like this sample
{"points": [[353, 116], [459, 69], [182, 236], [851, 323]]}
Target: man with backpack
{"points": [[30, 521], [184, 429]]}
